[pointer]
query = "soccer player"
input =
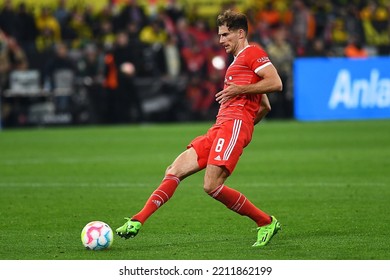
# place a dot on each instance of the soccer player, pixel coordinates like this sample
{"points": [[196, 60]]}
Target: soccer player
{"points": [[243, 103]]}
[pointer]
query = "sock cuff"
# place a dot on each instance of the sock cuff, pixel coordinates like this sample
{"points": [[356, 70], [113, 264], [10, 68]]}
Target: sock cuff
{"points": [[215, 193], [172, 177]]}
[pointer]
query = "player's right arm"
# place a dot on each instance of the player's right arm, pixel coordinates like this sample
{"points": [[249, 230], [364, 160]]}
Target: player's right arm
{"points": [[270, 82]]}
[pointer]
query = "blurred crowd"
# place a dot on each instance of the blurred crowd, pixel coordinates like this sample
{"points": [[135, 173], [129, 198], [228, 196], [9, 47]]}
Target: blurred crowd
{"points": [[114, 50]]}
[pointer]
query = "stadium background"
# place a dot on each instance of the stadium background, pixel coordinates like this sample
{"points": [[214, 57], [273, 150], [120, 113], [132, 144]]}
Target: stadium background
{"points": [[179, 63], [327, 182]]}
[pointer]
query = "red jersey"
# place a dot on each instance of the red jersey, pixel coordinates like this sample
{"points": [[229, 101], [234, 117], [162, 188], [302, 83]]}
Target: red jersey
{"points": [[242, 71]]}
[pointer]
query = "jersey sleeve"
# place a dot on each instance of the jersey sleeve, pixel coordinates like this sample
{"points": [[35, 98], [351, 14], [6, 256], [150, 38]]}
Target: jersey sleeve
{"points": [[257, 59]]}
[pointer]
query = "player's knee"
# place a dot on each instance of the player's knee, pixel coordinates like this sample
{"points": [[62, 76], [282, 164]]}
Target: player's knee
{"points": [[208, 187], [167, 171], [172, 170]]}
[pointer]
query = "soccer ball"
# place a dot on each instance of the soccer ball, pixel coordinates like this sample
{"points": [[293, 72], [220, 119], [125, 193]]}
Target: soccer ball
{"points": [[97, 235]]}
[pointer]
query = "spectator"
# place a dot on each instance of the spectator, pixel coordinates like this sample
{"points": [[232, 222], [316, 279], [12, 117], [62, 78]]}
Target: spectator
{"points": [[318, 48], [132, 12], [217, 61], [338, 33], [184, 38], [355, 49], [105, 35], [124, 101], [90, 18], [321, 13], [153, 33], [200, 90], [353, 23], [28, 30], [59, 77], [167, 23], [201, 33], [342, 24], [174, 10], [133, 34], [137, 47], [195, 59], [90, 70], [49, 30], [170, 61], [12, 57], [282, 55], [200, 97], [58, 61], [9, 22], [62, 14], [269, 15], [376, 22], [107, 14], [80, 29], [301, 22], [261, 33]]}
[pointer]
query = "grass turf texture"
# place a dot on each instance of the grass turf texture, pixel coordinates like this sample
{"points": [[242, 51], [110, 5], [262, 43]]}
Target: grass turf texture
{"points": [[328, 184]]}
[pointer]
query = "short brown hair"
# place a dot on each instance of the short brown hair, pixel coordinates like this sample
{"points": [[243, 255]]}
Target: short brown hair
{"points": [[233, 20]]}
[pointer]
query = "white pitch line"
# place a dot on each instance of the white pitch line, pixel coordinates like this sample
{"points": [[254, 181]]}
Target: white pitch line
{"points": [[315, 184], [136, 185], [70, 184], [29, 161]]}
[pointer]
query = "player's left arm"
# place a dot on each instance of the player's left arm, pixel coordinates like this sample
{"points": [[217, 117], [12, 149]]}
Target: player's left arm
{"points": [[269, 83], [265, 108]]}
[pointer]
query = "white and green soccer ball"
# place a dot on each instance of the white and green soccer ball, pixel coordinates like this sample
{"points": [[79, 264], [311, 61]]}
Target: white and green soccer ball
{"points": [[97, 235]]}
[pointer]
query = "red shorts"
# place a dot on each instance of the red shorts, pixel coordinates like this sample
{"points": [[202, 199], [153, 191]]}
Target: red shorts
{"points": [[223, 144]]}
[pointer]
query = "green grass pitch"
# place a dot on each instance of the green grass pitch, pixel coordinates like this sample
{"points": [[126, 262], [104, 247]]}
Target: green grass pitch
{"points": [[328, 183]]}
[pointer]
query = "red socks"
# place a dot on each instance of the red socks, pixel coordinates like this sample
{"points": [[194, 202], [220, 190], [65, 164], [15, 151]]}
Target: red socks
{"points": [[160, 196], [237, 202], [233, 200]]}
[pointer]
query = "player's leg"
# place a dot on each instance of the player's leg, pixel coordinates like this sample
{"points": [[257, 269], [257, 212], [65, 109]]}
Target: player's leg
{"points": [[225, 152], [236, 201], [184, 165]]}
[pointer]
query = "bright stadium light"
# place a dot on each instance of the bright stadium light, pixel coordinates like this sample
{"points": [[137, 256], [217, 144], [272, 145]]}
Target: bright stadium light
{"points": [[218, 62]]}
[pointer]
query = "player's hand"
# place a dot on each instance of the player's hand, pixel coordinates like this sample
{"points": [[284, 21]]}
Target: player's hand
{"points": [[231, 91]]}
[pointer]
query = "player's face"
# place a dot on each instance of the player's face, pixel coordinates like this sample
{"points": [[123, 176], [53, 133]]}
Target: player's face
{"points": [[228, 39]]}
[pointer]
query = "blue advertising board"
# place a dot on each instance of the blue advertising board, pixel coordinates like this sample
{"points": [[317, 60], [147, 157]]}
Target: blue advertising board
{"points": [[341, 88]]}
